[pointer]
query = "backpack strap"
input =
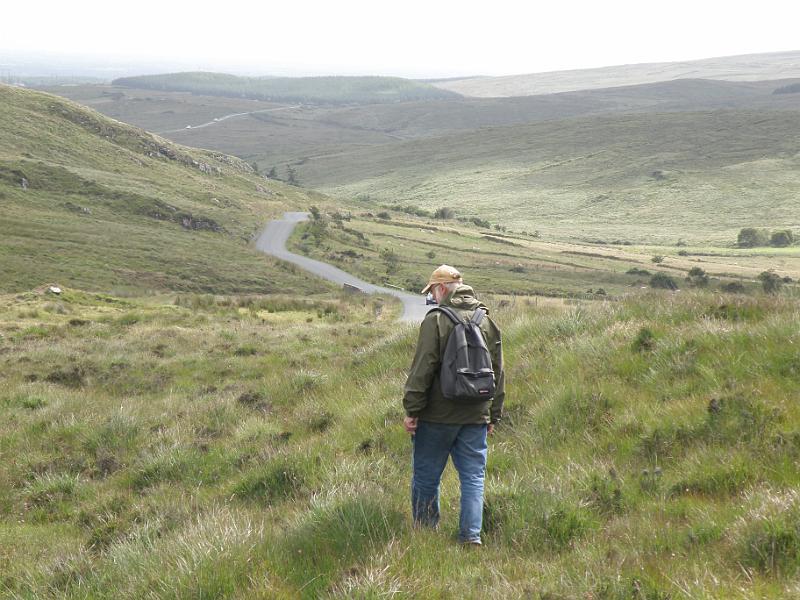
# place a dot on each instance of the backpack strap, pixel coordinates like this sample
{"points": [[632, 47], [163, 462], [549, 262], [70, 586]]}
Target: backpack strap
{"points": [[449, 312], [477, 316]]}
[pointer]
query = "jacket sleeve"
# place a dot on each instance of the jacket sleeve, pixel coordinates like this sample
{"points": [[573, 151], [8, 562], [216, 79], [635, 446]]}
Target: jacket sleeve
{"points": [[496, 410], [424, 367]]}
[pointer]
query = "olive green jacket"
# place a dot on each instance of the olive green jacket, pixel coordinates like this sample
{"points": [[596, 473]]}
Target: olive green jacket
{"points": [[423, 393]]}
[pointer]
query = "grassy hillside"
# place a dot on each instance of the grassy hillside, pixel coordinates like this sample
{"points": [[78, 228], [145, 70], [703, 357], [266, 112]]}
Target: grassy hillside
{"points": [[324, 90], [396, 249], [613, 164], [748, 67], [655, 178], [92, 202], [276, 135], [252, 448]]}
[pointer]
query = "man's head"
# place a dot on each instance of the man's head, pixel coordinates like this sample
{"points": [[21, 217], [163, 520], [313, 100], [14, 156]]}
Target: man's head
{"points": [[442, 282]]}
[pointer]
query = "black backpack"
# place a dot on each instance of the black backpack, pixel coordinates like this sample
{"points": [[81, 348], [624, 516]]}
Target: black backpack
{"points": [[466, 373]]}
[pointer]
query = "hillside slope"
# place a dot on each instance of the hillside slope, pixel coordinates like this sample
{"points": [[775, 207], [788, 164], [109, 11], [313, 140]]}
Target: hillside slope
{"points": [[324, 90], [97, 204], [275, 135], [655, 177], [748, 67]]}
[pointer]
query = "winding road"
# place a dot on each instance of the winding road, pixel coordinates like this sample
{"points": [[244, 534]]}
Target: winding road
{"points": [[230, 116], [272, 240]]}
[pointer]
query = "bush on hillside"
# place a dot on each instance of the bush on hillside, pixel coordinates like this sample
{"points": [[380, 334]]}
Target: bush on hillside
{"points": [[792, 88], [697, 277], [444, 213], [663, 281], [733, 287], [477, 221], [770, 282], [644, 341], [781, 238], [750, 237]]}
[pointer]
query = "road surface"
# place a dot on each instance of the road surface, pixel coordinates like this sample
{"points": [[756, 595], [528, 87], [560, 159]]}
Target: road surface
{"points": [[230, 116], [272, 241]]}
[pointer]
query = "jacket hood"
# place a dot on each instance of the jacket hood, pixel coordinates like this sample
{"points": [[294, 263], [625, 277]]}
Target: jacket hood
{"points": [[463, 297]]}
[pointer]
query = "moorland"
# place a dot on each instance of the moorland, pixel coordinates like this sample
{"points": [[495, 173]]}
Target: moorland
{"points": [[184, 417]]}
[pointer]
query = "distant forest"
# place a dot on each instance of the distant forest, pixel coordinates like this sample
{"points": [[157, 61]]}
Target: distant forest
{"points": [[792, 88], [309, 90]]}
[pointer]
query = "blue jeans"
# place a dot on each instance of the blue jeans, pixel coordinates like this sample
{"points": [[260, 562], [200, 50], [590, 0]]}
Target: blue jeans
{"points": [[432, 444]]}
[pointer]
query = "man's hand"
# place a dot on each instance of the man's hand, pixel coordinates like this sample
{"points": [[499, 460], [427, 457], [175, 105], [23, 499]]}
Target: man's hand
{"points": [[490, 429], [410, 423]]}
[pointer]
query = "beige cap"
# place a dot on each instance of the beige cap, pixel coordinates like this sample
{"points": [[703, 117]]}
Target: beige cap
{"points": [[443, 274]]}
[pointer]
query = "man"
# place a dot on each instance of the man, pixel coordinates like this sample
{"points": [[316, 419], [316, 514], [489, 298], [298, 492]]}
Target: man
{"points": [[442, 427]]}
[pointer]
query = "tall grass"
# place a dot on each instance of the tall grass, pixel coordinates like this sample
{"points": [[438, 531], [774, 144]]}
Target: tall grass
{"points": [[179, 467]]}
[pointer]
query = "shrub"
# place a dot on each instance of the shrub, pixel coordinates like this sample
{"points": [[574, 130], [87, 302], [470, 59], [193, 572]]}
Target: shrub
{"points": [[792, 88], [750, 237], [637, 271], [444, 213], [644, 341], [733, 287], [663, 281], [657, 259], [781, 239], [384, 215], [480, 222], [770, 282], [390, 258], [697, 277]]}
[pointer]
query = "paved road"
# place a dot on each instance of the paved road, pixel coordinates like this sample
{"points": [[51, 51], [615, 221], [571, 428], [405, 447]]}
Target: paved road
{"points": [[230, 116], [272, 241]]}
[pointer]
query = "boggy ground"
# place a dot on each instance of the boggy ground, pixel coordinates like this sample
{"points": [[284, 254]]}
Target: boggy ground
{"points": [[250, 447]]}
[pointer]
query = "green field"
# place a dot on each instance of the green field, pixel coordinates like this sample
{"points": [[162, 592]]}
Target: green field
{"points": [[400, 250], [251, 447], [649, 178]]}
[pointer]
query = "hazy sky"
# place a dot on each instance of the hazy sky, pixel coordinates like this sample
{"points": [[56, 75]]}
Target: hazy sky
{"points": [[410, 38]]}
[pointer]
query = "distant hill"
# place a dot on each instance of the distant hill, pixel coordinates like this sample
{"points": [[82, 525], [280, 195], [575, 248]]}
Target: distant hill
{"points": [[315, 90], [275, 134], [93, 203], [749, 67], [650, 177]]}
